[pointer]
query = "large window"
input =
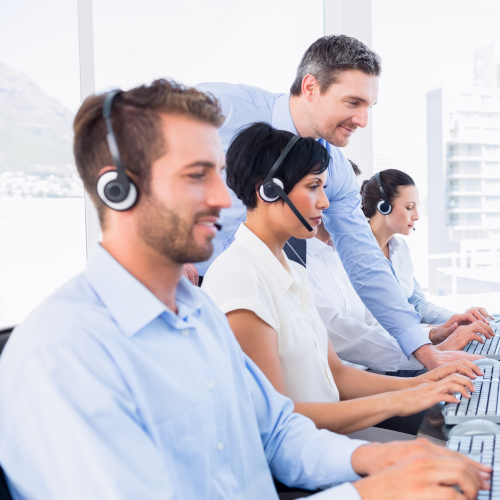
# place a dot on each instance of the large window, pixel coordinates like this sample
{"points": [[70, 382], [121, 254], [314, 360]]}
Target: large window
{"points": [[42, 224], [438, 120], [251, 42]]}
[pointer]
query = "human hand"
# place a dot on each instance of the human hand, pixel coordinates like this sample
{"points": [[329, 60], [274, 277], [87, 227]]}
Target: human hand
{"points": [[375, 457], [461, 366], [191, 273], [427, 394], [441, 332], [464, 334], [425, 476], [431, 357], [480, 311], [472, 314]]}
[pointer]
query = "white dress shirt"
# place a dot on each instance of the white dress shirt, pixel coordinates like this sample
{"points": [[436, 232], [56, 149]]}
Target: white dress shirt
{"points": [[249, 276], [355, 334], [400, 258]]}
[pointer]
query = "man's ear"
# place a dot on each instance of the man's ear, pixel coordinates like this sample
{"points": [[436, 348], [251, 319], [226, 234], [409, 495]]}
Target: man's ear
{"points": [[310, 87], [104, 170]]}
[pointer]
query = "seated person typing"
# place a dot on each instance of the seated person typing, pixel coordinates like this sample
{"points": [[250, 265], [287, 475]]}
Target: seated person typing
{"points": [[280, 178], [127, 383], [390, 201], [355, 334]]}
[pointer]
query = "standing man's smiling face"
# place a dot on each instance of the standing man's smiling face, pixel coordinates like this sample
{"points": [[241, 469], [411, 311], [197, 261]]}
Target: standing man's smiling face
{"points": [[336, 114]]}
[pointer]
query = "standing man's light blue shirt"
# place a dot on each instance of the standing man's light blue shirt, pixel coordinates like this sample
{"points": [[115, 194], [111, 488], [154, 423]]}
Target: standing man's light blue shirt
{"points": [[368, 270], [107, 394]]}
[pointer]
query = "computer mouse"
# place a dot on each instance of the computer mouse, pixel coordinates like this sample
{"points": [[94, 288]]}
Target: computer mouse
{"points": [[484, 362], [476, 426]]}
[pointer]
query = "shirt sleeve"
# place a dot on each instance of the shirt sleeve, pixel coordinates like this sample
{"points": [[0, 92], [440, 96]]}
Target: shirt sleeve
{"points": [[368, 270], [429, 312], [297, 452], [358, 342], [247, 292], [90, 425]]}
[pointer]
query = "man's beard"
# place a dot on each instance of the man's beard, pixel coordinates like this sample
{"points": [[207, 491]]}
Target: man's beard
{"points": [[164, 231], [330, 136]]}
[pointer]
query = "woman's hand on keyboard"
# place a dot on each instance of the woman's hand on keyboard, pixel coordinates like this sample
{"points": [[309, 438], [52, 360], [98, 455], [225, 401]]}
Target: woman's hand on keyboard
{"points": [[465, 334], [462, 367], [423, 396], [480, 313]]}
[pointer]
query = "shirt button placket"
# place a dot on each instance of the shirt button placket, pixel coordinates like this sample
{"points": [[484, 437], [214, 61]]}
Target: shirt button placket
{"points": [[185, 332]]}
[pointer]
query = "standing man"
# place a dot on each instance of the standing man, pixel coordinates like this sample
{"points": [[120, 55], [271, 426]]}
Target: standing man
{"points": [[336, 85], [128, 384]]}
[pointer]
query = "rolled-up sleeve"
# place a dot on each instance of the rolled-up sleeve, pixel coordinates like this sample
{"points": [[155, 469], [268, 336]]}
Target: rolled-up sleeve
{"points": [[368, 270], [297, 452]]}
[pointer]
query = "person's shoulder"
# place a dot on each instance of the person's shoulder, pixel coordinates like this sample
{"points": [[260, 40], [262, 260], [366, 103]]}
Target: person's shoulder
{"points": [[72, 315], [234, 267], [247, 93]]}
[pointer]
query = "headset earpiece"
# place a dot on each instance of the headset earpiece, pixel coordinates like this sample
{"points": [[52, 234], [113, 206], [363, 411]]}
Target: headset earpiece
{"points": [[115, 188], [112, 193], [384, 208], [267, 190]]}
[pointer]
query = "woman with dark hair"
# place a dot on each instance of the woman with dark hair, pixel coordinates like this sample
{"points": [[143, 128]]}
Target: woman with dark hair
{"points": [[270, 306], [390, 203]]}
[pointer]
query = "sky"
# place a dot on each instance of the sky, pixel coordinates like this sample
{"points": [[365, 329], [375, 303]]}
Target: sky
{"points": [[424, 45]]}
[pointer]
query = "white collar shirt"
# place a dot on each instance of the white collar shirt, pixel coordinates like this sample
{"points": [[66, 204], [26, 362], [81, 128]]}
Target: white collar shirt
{"points": [[354, 333], [249, 276]]}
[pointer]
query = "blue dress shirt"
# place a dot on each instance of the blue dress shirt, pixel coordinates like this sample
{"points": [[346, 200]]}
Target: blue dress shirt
{"points": [[400, 258], [368, 270], [107, 394]]}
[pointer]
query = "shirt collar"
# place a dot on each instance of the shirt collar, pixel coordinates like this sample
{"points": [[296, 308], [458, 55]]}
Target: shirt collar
{"points": [[315, 246], [393, 244], [132, 305], [251, 242], [282, 117]]}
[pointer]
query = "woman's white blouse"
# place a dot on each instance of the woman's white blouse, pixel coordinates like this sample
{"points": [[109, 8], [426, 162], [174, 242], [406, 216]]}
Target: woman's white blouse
{"points": [[400, 258], [354, 333], [248, 276]]}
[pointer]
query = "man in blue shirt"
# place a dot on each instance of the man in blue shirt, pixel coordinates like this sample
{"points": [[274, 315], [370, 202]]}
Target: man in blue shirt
{"points": [[336, 85], [128, 384]]}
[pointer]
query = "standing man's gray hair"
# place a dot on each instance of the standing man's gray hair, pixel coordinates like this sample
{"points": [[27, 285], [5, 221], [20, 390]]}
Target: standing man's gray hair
{"points": [[330, 55]]}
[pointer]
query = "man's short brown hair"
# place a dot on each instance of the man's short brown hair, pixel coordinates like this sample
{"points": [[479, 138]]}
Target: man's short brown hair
{"points": [[137, 126]]}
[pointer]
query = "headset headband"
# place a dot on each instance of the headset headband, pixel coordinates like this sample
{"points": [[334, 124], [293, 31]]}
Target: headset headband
{"points": [[382, 192], [279, 161], [107, 106]]}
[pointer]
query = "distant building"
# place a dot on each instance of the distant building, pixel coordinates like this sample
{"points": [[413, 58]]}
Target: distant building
{"points": [[463, 149]]}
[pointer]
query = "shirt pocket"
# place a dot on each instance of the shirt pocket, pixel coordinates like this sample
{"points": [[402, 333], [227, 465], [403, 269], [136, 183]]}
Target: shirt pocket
{"points": [[184, 429], [184, 438]]}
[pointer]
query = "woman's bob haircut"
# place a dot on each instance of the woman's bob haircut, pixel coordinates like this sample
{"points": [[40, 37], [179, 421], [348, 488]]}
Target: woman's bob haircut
{"points": [[255, 149]]}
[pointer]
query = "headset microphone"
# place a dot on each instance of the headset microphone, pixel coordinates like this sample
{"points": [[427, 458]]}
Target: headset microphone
{"points": [[272, 188], [219, 226], [115, 188], [383, 206]]}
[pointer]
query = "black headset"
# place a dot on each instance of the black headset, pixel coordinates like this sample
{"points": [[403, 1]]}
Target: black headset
{"points": [[115, 188], [383, 206], [272, 188]]}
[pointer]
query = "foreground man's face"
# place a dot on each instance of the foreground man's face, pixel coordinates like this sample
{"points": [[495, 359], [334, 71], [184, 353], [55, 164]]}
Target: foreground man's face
{"points": [[177, 218]]}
